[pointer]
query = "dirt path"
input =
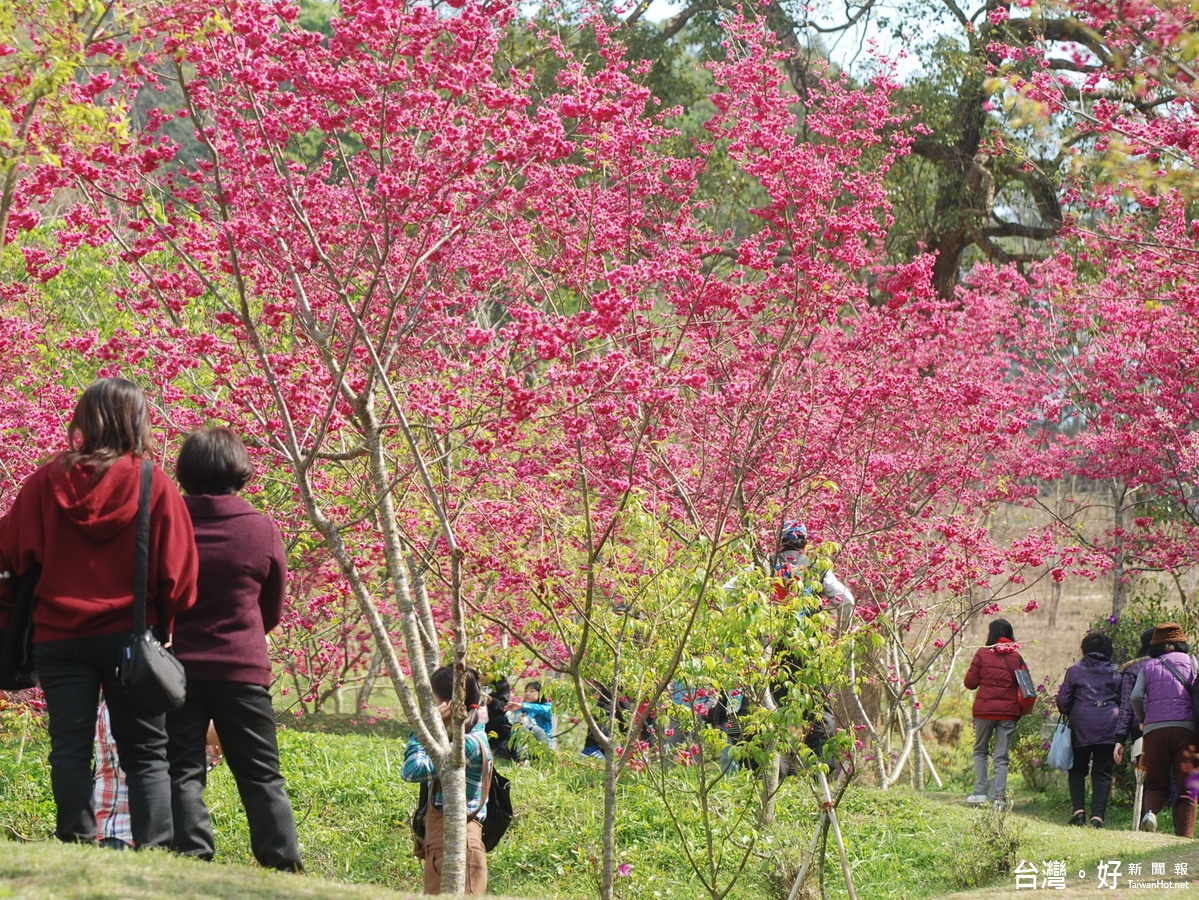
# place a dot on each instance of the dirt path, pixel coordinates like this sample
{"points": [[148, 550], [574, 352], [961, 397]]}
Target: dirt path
{"points": [[1141, 872]]}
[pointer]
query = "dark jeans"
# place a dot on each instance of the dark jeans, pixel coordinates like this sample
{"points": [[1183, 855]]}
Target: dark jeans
{"points": [[1097, 758], [72, 673], [245, 723]]}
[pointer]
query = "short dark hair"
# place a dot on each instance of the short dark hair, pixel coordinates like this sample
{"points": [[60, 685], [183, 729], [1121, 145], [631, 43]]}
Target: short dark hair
{"points": [[1146, 641], [1000, 628], [111, 419], [535, 685], [442, 682], [1175, 647], [1097, 642], [213, 461]]}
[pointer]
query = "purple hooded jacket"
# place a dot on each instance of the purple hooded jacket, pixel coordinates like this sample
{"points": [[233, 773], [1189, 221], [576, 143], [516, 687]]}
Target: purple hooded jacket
{"points": [[1090, 696], [1129, 725]]}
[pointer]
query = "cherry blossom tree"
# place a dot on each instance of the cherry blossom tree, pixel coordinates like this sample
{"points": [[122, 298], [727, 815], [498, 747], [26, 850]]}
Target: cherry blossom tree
{"points": [[54, 64], [437, 307], [1111, 310], [479, 337], [33, 395]]}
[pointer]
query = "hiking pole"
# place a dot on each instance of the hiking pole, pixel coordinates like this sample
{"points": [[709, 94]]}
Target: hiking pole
{"points": [[1138, 775]]}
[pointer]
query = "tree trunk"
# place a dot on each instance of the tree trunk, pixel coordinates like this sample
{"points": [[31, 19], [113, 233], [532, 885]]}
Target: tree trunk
{"points": [[608, 863], [368, 683], [1119, 587], [947, 266], [770, 789], [453, 865], [1055, 601], [918, 774]]}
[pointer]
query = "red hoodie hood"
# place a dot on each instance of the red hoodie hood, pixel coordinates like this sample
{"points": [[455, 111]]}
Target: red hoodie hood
{"points": [[101, 509]]}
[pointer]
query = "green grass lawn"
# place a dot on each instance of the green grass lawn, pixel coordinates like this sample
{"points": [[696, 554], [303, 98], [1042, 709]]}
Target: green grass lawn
{"points": [[353, 814]]}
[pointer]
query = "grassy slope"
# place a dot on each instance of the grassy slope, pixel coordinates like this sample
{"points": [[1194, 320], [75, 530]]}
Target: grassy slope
{"points": [[353, 812], [52, 870], [902, 845]]}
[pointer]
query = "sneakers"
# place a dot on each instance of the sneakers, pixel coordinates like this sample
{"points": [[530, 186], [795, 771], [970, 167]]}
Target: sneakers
{"points": [[1096, 822], [1079, 819], [1149, 822], [1001, 804], [976, 799]]}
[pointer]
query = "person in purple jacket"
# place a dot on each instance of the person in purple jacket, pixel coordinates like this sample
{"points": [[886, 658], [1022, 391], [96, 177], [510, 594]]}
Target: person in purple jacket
{"points": [[222, 645], [1130, 726], [1161, 698], [1090, 696]]}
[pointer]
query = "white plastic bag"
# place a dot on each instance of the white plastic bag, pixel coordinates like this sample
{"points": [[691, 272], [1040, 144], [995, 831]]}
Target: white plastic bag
{"points": [[1061, 748]]}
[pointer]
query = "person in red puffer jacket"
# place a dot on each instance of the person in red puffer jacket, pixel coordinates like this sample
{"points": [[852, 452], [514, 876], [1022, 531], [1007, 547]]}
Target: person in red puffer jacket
{"points": [[76, 516], [996, 709]]}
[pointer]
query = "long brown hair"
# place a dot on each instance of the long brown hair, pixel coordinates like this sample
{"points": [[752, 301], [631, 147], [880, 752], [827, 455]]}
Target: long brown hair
{"points": [[110, 420]]}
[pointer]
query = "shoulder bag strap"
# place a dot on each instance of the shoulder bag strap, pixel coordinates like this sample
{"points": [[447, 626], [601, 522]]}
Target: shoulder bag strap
{"points": [[436, 786], [486, 781], [1186, 684], [141, 559], [1011, 669]]}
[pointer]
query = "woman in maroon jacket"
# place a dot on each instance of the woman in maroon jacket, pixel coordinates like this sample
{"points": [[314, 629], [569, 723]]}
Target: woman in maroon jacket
{"points": [[996, 710], [221, 642], [77, 517]]}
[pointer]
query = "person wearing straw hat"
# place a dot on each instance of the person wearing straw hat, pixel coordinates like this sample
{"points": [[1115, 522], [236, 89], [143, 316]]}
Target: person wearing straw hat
{"points": [[1161, 699]]}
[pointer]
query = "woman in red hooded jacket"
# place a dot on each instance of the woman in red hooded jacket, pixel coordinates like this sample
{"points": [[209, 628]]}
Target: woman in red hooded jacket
{"points": [[996, 709], [76, 516]]}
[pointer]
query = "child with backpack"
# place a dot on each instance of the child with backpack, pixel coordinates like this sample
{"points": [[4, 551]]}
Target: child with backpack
{"points": [[418, 766]]}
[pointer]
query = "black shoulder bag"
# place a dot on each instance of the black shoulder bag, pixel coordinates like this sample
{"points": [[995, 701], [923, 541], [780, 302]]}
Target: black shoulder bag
{"points": [[148, 671], [16, 641]]}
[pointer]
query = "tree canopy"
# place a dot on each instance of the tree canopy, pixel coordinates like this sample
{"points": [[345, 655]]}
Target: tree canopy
{"points": [[539, 320]]}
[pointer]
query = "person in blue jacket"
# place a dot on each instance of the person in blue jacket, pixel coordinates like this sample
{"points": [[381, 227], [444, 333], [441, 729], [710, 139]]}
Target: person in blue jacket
{"points": [[535, 714]]}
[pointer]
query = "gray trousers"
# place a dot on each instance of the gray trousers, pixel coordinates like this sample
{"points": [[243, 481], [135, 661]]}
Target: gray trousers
{"points": [[1003, 732]]}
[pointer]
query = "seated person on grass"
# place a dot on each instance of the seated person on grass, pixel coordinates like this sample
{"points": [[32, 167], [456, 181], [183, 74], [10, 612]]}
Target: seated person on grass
{"points": [[535, 714]]}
